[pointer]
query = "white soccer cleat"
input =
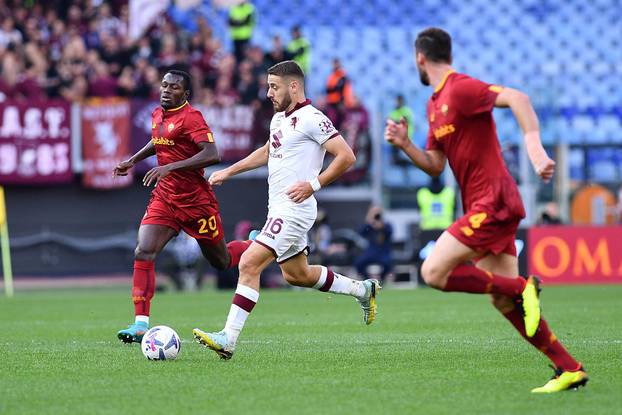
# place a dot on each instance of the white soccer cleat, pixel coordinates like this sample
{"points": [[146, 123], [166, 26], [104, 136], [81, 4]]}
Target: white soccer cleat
{"points": [[368, 302], [218, 342]]}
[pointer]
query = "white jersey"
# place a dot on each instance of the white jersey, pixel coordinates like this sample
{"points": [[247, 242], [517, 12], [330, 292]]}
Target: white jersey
{"points": [[296, 153]]}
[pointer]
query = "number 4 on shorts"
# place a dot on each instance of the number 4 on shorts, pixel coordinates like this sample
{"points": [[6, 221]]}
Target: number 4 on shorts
{"points": [[475, 221]]}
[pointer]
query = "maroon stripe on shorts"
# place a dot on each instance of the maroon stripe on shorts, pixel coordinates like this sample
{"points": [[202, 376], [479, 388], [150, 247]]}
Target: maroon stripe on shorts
{"points": [[243, 302], [267, 247], [330, 277]]}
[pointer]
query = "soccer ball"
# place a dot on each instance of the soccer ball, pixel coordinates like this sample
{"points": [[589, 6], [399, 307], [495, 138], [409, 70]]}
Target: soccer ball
{"points": [[160, 343]]}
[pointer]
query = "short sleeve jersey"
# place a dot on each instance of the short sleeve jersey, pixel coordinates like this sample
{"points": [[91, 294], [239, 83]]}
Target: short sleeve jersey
{"points": [[295, 151], [176, 134], [461, 125]]}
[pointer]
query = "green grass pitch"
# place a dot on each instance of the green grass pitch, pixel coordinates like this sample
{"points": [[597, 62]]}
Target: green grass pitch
{"points": [[305, 352]]}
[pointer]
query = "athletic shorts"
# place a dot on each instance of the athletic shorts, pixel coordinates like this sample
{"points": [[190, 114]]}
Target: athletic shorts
{"points": [[483, 233], [201, 220], [285, 233]]}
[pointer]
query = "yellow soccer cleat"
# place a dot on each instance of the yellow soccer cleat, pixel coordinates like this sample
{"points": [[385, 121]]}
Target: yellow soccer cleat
{"points": [[531, 305], [563, 381], [218, 342], [368, 302]]}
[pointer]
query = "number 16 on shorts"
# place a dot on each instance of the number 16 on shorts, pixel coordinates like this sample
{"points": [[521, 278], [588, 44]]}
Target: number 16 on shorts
{"points": [[272, 227]]}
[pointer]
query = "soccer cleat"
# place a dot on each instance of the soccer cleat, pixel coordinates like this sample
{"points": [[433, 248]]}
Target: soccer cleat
{"points": [[218, 342], [133, 333], [368, 302], [563, 380], [531, 305], [253, 234]]}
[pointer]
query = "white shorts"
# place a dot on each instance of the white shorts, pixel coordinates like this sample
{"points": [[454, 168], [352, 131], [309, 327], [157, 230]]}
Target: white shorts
{"points": [[285, 234]]}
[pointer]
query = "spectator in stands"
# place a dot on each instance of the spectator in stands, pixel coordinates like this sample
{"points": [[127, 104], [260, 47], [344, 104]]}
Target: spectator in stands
{"points": [[379, 236], [338, 94], [400, 111], [403, 111], [550, 215], [277, 53], [102, 84], [355, 130], [241, 25], [246, 86], [299, 49], [9, 34], [320, 237]]}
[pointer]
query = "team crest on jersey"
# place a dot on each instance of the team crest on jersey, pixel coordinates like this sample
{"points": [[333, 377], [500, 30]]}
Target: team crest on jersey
{"points": [[444, 109], [171, 127], [326, 126], [293, 122]]}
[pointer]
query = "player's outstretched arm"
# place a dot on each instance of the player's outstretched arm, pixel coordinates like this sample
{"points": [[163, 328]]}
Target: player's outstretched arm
{"points": [[207, 155], [122, 168], [254, 160], [430, 161], [344, 159], [528, 121]]}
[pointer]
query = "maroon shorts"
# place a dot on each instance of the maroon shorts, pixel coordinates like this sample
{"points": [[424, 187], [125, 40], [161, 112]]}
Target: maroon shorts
{"points": [[483, 233], [201, 220]]}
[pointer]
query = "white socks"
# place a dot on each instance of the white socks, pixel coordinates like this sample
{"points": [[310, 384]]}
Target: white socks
{"points": [[243, 302], [339, 284], [142, 319]]}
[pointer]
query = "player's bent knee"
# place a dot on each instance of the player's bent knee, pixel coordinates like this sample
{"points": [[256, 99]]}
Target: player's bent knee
{"points": [[503, 303], [220, 264], [433, 275], [247, 267], [144, 254]]}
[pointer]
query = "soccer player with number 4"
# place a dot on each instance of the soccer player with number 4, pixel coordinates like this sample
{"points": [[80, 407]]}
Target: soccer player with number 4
{"points": [[300, 136], [182, 198], [462, 130]]}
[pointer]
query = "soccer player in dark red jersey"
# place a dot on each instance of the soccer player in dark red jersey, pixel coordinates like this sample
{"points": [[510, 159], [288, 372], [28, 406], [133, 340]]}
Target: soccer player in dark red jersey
{"points": [[476, 254], [182, 198]]}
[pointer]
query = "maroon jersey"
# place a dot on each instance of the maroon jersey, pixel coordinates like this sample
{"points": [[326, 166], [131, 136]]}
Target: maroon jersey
{"points": [[462, 127], [175, 134]]}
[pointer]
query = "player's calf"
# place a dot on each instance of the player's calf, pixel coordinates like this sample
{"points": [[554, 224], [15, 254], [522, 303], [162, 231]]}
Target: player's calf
{"points": [[503, 303]]}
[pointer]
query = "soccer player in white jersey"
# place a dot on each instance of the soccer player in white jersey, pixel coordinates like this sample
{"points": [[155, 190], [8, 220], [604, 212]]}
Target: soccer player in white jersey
{"points": [[300, 136]]}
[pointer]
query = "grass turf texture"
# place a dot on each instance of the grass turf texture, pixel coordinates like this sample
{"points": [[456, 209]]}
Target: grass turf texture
{"points": [[305, 352]]}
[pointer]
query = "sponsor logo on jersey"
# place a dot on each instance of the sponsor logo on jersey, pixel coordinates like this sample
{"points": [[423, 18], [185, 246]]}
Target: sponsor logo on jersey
{"points": [[276, 139], [293, 122], [443, 130], [162, 141]]}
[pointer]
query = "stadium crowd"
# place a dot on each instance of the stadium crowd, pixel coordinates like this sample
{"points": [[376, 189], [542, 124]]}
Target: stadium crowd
{"points": [[81, 48]]}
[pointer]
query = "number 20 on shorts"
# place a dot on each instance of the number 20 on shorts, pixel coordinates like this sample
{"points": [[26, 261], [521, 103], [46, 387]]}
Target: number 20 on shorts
{"points": [[475, 221], [208, 225]]}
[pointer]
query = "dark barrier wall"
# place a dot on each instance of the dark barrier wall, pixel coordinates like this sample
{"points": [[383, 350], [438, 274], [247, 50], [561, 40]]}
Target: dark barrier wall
{"points": [[70, 230]]}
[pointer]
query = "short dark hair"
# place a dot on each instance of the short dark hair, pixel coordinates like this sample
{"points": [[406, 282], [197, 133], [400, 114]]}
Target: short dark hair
{"points": [[287, 68], [435, 44], [186, 77]]}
